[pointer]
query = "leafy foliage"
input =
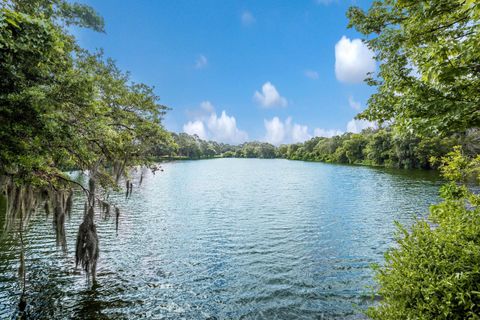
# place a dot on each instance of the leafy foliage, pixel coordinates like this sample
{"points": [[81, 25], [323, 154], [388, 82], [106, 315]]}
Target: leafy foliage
{"points": [[434, 272], [381, 147], [63, 107], [193, 147], [427, 84], [429, 71]]}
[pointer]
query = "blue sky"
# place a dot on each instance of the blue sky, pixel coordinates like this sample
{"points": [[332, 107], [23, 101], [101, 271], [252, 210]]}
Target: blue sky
{"points": [[277, 71]]}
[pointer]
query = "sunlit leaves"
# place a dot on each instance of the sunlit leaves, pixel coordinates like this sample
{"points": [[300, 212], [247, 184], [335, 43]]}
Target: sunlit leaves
{"points": [[62, 107], [430, 73]]}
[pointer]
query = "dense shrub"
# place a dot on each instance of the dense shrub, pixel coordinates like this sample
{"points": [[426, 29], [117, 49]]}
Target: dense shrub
{"points": [[434, 271]]}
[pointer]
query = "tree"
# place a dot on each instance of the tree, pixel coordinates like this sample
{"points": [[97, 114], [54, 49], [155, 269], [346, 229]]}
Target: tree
{"points": [[427, 87], [429, 71], [354, 147], [378, 149], [64, 108]]}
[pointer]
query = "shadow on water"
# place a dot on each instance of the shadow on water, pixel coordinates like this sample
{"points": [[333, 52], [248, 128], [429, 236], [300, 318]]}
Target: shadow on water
{"points": [[409, 174], [412, 174], [48, 298], [51, 291], [91, 306]]}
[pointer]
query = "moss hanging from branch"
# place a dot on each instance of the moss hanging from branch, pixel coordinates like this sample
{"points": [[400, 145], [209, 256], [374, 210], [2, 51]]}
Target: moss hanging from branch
{"points": [[63, 107], [21, 204], [59, 220], [87, 250], [69, 204], [117, 216]]}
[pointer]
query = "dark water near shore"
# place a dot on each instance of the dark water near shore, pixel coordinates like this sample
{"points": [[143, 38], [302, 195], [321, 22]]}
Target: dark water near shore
{"points": [[226, 239]]}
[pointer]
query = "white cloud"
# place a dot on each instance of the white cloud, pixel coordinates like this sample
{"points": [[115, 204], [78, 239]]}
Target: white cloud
{"points": [[224, 129], [208, 125], [201, 62], [311, 74], [300, 133], [247, 18], [353, 60], [356, 126], [269, 97], [278, 131], [195, 127], [327, 133], [354, 104], [275, 131]]}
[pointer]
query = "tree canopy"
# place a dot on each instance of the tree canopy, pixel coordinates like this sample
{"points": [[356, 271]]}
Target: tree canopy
{"points": [[62, 107], [429, 73]]}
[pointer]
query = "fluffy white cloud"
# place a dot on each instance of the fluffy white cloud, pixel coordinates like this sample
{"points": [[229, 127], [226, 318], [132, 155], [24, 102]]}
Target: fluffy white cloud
{"points": [[195, 127], [311, 74], [353, 60], [208, 125], [353, 126], [224, 129], [278, 131], [247, 18], [354, 104], [300, 133], [269, 97], [356, 126], [201, 62], [327, 133], [275, 130]]}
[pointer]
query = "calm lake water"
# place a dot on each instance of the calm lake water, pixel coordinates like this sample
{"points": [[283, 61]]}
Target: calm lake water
{"points": [[226, 239]]}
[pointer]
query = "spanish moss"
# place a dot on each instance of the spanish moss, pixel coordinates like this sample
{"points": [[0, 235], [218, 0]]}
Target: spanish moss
{"points": [[117, 216], [59, 220], [69, 204], [87, 250]]}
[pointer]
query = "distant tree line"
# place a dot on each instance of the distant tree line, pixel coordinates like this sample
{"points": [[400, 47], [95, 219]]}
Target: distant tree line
{"points": [[192, 147], [377, 147]]}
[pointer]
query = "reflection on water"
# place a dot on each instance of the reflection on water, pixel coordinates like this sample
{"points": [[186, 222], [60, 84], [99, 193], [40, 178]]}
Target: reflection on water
{"points": [[226, 238]]}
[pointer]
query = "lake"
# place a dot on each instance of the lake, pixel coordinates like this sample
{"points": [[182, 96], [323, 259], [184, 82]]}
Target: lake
{"points": [[226, 239]]}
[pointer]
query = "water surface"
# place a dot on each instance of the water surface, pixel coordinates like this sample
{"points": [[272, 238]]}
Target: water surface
{"points": [[226, 239]]}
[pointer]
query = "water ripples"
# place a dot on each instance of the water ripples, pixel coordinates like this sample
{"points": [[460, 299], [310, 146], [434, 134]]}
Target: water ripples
{"points": [[226, 239]]}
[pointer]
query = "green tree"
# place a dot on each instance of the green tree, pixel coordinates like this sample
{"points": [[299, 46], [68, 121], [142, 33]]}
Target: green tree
{"points": [[63, 108], [429, 71], [354, 147], [379, 147]]}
